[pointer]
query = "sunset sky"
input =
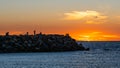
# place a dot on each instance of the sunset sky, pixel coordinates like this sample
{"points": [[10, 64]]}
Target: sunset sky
{"points": [[86, 20]]}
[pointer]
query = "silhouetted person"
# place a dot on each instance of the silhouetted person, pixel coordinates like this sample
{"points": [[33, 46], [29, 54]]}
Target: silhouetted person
{"points": [[67, 35], [40, 33], [27, 33], [34, 32], [7, 34]]}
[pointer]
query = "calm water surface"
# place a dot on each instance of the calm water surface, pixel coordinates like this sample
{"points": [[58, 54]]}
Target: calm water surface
{"points": [[97, 57]]}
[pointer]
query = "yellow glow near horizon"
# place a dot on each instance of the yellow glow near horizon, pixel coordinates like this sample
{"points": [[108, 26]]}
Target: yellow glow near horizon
{"points": [[97, 36], [85, 36]]}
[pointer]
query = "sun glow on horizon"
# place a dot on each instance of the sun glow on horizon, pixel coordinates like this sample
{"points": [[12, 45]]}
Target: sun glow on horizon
{"points": [[97, 36], [85, 36]]}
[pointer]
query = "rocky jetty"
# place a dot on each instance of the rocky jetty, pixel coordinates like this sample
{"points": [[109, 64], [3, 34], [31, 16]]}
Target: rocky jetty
{"points": [[38, 43]]}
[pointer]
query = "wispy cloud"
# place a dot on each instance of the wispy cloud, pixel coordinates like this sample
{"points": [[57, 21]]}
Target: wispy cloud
{"points": [[90, 17]]}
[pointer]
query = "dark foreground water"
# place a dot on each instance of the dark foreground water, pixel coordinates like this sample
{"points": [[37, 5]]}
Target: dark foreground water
{"points": [[101, 55]]}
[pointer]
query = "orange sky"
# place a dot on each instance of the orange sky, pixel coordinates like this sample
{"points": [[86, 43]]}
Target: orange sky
{"points": [[83, 20]]}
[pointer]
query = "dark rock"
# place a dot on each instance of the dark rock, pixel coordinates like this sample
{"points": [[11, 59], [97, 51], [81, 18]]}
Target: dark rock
{"points": [[38, 43]]}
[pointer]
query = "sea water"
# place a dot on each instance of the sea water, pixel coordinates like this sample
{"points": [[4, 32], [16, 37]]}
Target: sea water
{"points": [[101, 55]]}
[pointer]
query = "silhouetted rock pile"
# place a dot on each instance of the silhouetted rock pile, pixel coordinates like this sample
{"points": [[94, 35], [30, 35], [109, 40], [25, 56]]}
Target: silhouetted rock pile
{"points": [[38, 43]]}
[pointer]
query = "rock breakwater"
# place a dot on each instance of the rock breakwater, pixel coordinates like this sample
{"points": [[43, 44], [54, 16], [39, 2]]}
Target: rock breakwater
{"points": [[38, 43]]}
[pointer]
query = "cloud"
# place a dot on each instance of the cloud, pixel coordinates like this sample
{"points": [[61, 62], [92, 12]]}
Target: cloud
{"points": [[90, 17]]}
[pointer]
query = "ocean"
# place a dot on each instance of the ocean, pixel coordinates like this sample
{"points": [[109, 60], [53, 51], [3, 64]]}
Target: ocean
{"points": [[101, 55]]}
